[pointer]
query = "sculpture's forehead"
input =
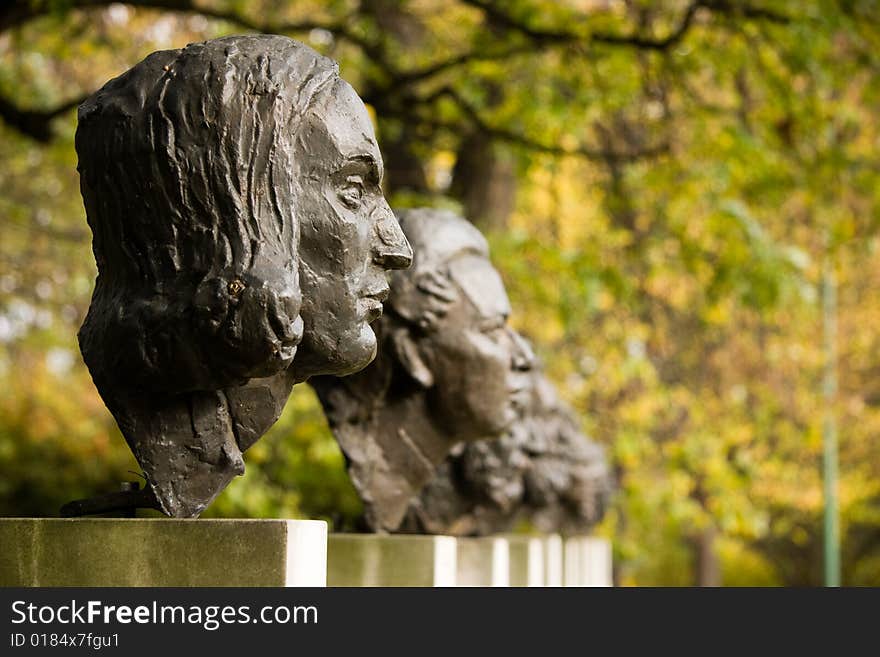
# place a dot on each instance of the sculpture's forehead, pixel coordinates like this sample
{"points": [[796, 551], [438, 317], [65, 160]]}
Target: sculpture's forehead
{"points": [[348, 124], [481, 283]]}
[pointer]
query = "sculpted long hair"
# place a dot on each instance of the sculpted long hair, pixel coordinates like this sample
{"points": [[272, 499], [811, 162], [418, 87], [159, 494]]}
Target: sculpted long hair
{"points": [[184, 165]]}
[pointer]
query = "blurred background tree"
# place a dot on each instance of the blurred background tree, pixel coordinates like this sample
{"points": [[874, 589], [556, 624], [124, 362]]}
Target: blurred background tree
{"points": [[661, 183]]}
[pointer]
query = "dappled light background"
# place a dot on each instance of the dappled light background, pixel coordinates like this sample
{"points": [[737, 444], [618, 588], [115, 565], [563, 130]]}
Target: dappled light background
{"points": [[666, 187]]}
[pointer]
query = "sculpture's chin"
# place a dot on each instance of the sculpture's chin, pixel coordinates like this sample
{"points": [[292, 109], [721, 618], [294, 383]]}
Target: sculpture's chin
{"points": [[351, 353], [359, 353]]}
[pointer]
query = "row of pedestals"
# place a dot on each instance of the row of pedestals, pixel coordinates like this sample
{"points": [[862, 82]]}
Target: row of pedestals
{"points": [[165, 552]]}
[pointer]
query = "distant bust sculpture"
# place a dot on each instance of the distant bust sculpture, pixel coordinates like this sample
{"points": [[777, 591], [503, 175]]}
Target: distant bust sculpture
{"points": [[449, 369], [543, 472], [241, 240]]}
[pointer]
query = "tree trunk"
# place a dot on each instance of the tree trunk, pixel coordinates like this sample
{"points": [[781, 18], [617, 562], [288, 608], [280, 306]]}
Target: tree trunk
{"points": [[404, 171], [484, 180], [708, 570]]}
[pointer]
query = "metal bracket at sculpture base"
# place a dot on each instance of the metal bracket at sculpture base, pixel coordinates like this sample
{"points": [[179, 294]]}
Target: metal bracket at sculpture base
{"points": [[126, 501]]}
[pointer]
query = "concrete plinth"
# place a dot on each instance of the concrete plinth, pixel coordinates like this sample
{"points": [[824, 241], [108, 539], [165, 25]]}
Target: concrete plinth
{"points": [[483, 562], [526, 556], [587, 562], [553, 558], [162, 552], [400, 560]]}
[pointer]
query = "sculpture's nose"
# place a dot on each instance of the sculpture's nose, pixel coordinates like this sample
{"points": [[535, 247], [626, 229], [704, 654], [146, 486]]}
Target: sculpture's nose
{"points": [[391, 250], [523, 357]]}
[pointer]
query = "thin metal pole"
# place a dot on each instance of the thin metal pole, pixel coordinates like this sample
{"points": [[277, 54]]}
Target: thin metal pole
{"points": [[831, 533]]}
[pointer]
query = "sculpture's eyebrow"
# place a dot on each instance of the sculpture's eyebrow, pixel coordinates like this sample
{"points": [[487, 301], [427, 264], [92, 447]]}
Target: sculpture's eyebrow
{"points": [[492, 321]]}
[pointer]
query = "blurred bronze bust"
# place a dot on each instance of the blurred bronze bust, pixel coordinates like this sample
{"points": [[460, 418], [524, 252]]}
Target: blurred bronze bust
{"points": [[241, 239], [543, 474], [449, 368]]}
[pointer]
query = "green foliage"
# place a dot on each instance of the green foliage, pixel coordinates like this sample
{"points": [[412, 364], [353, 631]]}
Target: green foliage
{"points": [[676, 197]]}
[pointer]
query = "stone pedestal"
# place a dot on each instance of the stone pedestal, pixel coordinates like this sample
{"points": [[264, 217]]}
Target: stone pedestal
{"points": [[526, 556], [162, 552], [553, 558], [167, 552], [483, 562], [399, 560], [587, 562]]}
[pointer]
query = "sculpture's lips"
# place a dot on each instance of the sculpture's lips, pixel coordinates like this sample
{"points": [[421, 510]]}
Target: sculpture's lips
{"points": [[371, 303], [519, 396], [379, 294], [372, 308]]}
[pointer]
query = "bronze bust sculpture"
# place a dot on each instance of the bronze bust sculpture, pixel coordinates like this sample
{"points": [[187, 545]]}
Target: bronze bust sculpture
{"points": [[452, 430], [241, 239], [543, 473], [449, 369]]}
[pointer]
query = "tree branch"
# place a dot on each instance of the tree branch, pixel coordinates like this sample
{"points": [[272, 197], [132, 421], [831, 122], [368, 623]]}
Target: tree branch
{"points": [[734, 8], [542, 38], [512, 137], [649, 43], [545, 36], [417, 75], [34, 123], [18, 13], [37, 124]]}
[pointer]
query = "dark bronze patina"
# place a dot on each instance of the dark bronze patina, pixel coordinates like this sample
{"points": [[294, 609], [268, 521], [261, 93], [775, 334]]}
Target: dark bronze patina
{"points": [[241, 239], [544, 472], [449, 369], [450, 430]]}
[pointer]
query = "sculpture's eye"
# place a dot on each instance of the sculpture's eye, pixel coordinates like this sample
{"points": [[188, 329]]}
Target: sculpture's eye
{"points": [[352, 192], [494, 326]]}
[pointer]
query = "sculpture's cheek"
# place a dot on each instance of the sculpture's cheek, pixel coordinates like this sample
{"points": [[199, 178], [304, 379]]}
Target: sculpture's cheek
{"points": [[472, 385]]}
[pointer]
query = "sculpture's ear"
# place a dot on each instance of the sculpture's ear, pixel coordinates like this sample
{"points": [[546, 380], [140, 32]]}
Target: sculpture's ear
{"points": [[409, 357]]}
